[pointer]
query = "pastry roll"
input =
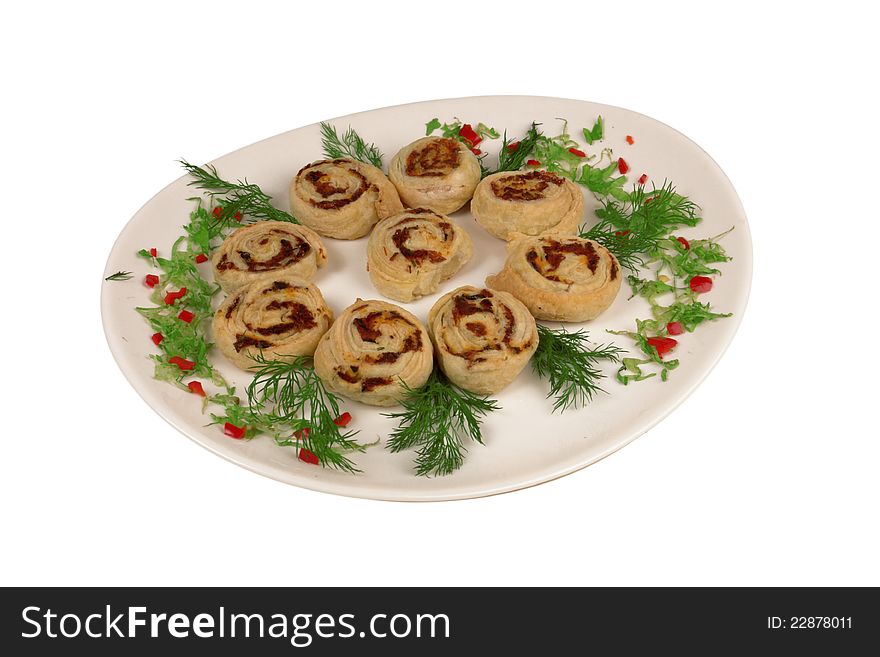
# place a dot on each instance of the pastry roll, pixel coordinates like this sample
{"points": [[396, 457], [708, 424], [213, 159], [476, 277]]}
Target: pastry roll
{"points": [[342, 198], [411, 253], [527, 202], [568, 279], [483, 338], [436, 173], [372, 350], [276, 247], [280, 316]]}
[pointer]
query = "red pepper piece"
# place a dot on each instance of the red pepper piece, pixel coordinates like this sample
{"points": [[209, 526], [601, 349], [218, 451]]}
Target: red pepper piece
{"points": [[217, 211], [157, 338], [533, 163], [154, 252], [307, 457], [233, 431], [237, 216], [674, 328], [186, 316], [467, 132], [643, 178], [630, 140], [301, 433], [151, 280], [684, 243], [662, 345], [575, 151], [182, 363], [512, 147], [622, 234], [196, 388], [700, 284], [476, 151], [201, 258], [171, 297], [343, 420], [622, 166]]}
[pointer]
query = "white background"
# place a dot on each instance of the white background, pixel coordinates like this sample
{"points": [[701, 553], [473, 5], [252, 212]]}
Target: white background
{"points": [[768, 474]]}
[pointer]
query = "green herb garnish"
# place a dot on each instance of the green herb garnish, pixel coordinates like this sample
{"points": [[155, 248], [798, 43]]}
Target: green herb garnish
{"points": [[350, 145], [184, 339], [675, 264], [634, 229], [597, 133], [119, 276], [288, 401], [513, 159], [436, 420], [571, 365], [237, 200]]}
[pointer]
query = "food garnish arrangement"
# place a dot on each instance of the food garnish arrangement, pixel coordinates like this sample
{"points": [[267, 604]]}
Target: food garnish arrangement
{"points": [[242, 282]]}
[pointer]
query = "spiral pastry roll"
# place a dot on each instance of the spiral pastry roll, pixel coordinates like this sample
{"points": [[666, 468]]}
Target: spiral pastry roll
{"points": [[372, 351], [568, 279], [410, 254], [483, 338], [436, 173], [527, 202], [342, 198], [280, 316], [276, 247]]}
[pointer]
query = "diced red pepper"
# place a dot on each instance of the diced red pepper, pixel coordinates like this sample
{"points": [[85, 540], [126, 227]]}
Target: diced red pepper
{"points": [[674, 328], [700, 284], [233, 431], [643, 178], [662, 345], [171, 297], [186, 316], [575, 151], [196, 388], [512, 147], [684, 243], [182, 363], [157, 338], [476, 151], [630, 140], [622, 166], [622, 234], [154, 252], [301, 433], [533, 163], [237, 216], [151, 280], [201, 258], [307, 457], [343, 420], [467, 132], [217, 211]]}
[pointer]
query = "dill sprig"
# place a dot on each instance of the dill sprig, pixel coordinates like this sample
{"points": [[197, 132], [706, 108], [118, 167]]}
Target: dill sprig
{"points": [[119, 276], [290, 402], [239, 199], [634, 229], [436, 420], [571, 365], [351, 145], [513, 154]]}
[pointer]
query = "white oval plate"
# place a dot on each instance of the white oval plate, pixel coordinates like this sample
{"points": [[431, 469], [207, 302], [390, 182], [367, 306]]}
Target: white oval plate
{"points": [[525, 443]]}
